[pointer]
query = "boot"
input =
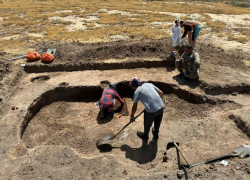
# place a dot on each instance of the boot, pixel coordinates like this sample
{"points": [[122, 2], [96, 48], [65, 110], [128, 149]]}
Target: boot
{"points": [[142, 135]]}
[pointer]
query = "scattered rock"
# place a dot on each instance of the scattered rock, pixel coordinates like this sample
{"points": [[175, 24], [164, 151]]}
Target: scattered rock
{"points": [[247, 170], [165, 158], [63, 84], [234, 94], [165, 176], [13, 107], [125, 172], [237, 168], [180, 174], [248, 164]]}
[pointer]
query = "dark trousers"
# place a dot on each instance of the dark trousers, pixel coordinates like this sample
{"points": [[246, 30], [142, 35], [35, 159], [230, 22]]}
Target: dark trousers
{"points": [[149, 118]]}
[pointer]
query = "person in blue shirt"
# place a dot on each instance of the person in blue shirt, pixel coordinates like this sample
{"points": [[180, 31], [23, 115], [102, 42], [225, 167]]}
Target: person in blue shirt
{"points": [[150, 96]]}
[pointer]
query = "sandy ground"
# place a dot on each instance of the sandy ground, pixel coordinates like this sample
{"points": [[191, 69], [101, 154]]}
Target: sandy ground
{"points": [[49, 125]]}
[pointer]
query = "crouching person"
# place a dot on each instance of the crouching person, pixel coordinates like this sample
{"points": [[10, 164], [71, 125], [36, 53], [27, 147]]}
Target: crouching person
{"points": [[189, 64], [107, 102]]}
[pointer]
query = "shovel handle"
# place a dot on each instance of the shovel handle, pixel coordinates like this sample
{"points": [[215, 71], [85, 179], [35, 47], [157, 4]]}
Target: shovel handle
{"points": [[139, 114], [214, 159], [220, 158], [128, 124], [181, 153]]}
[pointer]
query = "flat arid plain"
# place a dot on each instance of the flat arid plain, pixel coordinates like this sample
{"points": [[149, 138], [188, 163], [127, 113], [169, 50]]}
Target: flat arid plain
{"points": [[49, 123]]}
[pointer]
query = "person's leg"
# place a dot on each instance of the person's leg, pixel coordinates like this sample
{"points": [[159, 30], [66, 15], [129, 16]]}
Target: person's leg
{"points": [[196, 34], [190, 37], [157, 121], [178, 65], [104, 112], [194, 42], [173, 47], [148, 121], [101, 114], [172, 50]]}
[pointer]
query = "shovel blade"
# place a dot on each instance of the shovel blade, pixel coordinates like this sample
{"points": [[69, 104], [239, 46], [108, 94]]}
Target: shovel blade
{"points": [[242, 151], [106, 139]]}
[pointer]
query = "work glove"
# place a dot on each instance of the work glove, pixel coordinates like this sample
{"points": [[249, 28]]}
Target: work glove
{"points": [[132, 119]]}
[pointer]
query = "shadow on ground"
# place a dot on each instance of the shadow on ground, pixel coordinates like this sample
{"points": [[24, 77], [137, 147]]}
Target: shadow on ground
{"points": [[191, 83], [146, 153]]}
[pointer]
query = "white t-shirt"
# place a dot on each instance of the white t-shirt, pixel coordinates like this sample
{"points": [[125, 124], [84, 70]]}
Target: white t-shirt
{"points": [[176, 36]]}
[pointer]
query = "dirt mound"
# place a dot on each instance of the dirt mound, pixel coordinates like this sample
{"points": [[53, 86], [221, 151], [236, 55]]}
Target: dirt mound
{"points": [[146, 48]]}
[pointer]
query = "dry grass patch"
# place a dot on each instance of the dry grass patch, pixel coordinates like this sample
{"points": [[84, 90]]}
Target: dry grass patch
{"points": [[184, 18], [18, 21], [246, 19], [34, 30], [30, 15], [217, 25], [221, 35], [230, 36], [166, 26], [12, 44], [106, 18], [152, 17], [59, 32], [246, 33], [137, 20], [202, 32], [144, 32], [90, 25], [242, 39]]}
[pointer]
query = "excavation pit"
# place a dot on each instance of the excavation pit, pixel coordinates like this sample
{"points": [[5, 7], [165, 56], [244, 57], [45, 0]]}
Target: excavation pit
{"points": [[68, 117], [58, 129]]}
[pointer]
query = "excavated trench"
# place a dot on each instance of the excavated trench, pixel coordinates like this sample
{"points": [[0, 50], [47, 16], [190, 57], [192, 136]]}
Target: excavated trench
{"points": [[67, 115]]}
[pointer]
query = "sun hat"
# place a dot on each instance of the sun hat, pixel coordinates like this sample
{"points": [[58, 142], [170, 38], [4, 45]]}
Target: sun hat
{"points": [[177, 19], [135, 81]]}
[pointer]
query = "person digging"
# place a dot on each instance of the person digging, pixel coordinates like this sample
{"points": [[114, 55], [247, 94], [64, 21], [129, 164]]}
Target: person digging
{"points": [[189, 64], [107, 102], [150, 96], [192, 29]]}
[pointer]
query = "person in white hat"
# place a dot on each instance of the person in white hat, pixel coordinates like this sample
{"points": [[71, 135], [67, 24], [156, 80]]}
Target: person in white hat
{"points": [[176, 36]]}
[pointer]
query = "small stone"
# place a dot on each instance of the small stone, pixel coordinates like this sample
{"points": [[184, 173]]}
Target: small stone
{"points": [[180, 174], [234, 94], [13, 107], [124, 172], [165, 176], [247, 170], [248, 164], [237, 168]]}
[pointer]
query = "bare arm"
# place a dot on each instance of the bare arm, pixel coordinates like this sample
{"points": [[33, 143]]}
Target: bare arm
{"points": [[133, 109], [160, 93]]}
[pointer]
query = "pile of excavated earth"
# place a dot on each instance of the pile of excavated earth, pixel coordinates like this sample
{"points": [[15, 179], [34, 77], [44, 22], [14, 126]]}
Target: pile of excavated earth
{"points": [[50, 128]]}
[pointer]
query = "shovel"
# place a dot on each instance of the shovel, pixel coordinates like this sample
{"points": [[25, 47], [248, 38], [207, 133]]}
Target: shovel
{"points": [[241, 151], [108, 138]]}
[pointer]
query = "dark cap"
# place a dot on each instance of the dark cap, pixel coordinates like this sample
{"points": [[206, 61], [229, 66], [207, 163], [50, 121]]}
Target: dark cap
{"points": [[112, 85]]}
